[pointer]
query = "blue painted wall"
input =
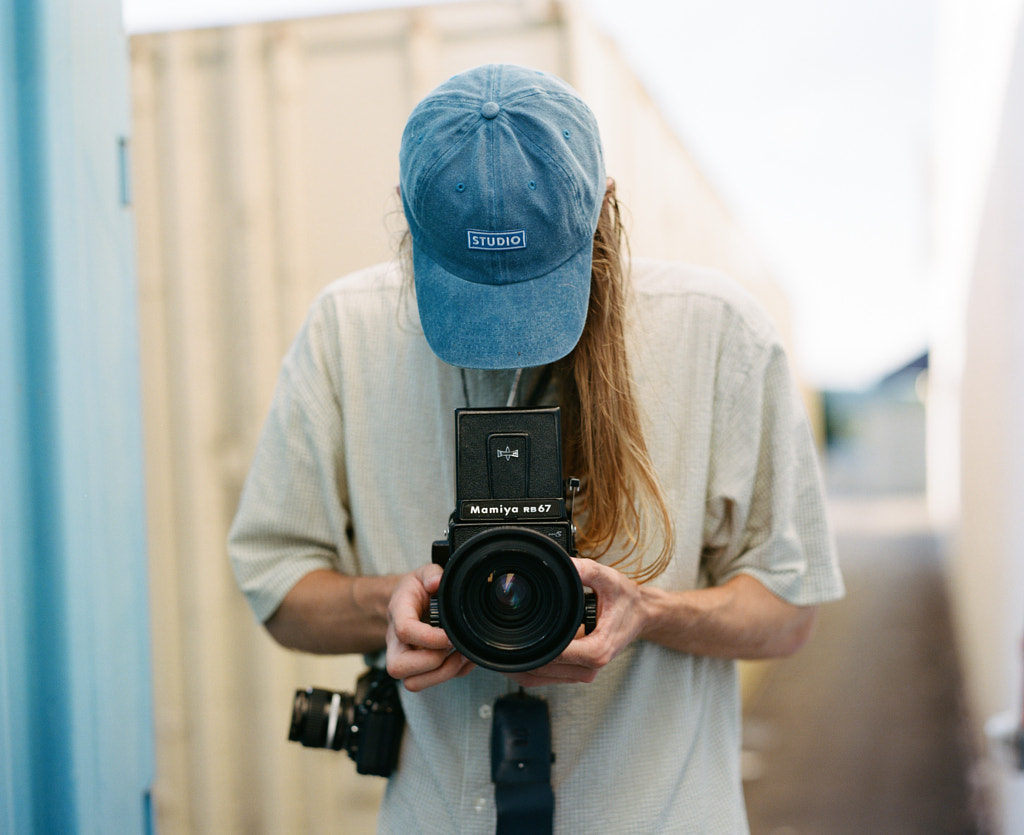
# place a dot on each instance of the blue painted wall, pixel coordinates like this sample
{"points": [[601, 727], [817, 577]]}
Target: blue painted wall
{"points": [[75, 709]]}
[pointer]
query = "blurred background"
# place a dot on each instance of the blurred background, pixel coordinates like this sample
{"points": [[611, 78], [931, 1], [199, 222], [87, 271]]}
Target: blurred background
{"points": [[177, 182]]}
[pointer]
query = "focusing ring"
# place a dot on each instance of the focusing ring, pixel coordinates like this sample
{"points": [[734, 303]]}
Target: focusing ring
{"points": [[510, 632]]}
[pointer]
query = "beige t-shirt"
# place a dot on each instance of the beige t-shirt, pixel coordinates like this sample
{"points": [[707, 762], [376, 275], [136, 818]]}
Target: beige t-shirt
{"points": [[355, 472]]}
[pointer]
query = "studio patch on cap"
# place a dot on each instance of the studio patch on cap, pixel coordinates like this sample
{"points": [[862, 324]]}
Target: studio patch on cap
{"points": [[496, 241]]}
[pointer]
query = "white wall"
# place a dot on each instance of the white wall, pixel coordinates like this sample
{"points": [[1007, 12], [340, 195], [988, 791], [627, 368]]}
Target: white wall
{"points": [[976, 446]]}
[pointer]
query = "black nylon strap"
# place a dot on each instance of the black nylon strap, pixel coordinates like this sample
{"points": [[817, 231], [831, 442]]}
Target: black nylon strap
{"points": [[525, 809], [521, 765]]}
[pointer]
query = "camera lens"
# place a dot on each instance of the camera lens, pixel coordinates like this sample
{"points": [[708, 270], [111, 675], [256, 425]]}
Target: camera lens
{"points": [[510, 592], [510, 599], [320, 718]]}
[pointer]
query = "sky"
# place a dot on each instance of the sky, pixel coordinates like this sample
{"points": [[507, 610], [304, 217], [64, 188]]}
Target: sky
{"points": [[811, 117]]}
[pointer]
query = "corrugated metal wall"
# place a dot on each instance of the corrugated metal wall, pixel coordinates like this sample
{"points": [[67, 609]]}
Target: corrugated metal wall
{"points": [[265, 163]]}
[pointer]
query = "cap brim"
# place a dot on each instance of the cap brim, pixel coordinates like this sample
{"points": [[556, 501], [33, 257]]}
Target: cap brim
{"points": [[519, 325]]}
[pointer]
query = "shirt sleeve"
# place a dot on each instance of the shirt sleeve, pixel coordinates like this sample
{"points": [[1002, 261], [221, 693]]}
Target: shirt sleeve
{"points": [[292, 516], [766, 513]]}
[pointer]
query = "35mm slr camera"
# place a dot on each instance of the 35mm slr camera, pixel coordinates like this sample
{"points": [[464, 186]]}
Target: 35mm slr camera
{"points": [[367, 725], [510, 597]]}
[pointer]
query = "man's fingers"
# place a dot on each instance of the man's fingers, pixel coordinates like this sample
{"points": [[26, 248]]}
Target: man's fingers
{"points": [[413, 661], [430, 576], [453, 666], [593, 574], [408, 606], [560, 671], [414, 633]]}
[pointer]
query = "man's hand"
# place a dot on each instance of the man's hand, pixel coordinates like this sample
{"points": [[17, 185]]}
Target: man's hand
{"points": [[418, 654], [620, 619], [739, 619]]}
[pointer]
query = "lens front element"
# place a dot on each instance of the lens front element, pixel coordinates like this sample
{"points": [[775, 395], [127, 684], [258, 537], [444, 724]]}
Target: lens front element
{"points": [[510, 592]]}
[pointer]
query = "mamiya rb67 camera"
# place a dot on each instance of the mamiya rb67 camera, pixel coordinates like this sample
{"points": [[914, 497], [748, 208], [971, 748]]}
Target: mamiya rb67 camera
{"points": [[510, 597], [368, 725]]}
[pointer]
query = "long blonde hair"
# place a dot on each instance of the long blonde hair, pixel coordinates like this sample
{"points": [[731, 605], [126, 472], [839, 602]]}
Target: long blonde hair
{"points": [[621, 503]]}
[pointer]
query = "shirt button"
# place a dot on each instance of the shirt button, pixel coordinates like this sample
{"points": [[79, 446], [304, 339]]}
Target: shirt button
{"points": [[480, 804], [485, 711]]}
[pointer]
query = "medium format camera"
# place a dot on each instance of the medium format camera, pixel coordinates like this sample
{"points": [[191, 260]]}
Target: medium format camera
{"points": [[510, 597], [367, 725]]}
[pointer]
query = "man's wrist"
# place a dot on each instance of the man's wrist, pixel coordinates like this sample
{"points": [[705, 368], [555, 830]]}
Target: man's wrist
{"points": [[658, 613], [370, 595]]}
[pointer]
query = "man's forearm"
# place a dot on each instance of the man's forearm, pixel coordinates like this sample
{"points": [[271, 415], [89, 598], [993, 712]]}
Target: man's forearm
{"points": [[739, 619], [331, 613]]}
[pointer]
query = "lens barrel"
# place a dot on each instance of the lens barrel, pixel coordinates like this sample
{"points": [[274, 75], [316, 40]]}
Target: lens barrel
{"points": [[320, 718], [510, 599]]}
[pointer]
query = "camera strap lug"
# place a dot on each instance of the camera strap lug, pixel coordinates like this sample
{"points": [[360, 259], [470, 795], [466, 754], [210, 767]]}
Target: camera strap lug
{"points": [[572, 485]]}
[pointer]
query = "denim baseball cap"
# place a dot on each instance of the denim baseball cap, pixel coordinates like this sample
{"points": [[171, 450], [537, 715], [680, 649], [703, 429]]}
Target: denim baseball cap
{"points": [[502, 181]]}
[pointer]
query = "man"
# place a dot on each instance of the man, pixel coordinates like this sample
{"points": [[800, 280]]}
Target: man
{"points": [[701, 521]]}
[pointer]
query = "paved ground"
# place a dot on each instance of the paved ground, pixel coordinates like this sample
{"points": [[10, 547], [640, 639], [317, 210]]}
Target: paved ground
{"points": [[863, 730]]}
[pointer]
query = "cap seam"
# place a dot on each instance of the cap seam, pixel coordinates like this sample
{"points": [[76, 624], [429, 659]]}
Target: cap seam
{"points": [[567, 174], [446, 153]]}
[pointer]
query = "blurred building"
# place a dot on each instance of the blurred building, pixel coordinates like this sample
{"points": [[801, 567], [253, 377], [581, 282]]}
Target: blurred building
{"points": [[875, 436]]}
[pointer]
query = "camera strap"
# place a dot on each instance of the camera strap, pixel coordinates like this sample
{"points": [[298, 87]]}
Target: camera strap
{"points": [[533, 397], [521, 760]]}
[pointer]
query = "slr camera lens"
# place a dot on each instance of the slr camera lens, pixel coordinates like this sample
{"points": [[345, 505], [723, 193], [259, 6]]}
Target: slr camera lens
{"points": [[319, 718]]}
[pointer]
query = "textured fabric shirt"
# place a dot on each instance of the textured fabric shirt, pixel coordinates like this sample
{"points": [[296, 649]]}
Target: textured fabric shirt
{"points": [[355, 472]]}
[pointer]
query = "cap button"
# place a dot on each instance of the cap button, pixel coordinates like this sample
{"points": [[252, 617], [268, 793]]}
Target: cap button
{"points": [[490, 110]]}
